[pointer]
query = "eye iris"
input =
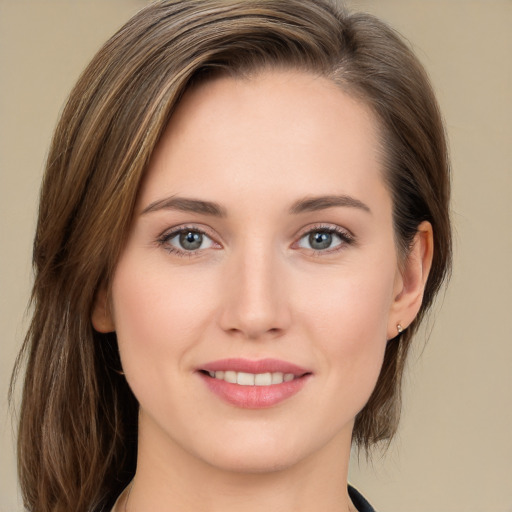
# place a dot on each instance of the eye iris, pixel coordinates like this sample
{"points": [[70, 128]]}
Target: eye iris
{"points": [[320, 240], [191, 240]]}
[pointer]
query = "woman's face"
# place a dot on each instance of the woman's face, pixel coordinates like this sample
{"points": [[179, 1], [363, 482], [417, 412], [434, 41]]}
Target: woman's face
{"points": [[258, 286]]}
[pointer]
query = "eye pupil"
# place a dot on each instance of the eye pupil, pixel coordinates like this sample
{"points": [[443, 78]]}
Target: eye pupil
{"points": [[320, 240], [191, 240]]}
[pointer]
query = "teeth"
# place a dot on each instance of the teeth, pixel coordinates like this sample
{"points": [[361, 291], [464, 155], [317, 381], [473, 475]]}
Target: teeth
{"points": [[277, 378], [263, 379], [245, 379], [229, 376], [252, 379]]}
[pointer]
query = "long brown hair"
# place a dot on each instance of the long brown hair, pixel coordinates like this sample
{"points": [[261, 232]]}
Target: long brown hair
{"points": [[78, 420]]}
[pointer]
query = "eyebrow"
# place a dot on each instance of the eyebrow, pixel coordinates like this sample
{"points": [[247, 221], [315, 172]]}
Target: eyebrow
{"points": [[307, 204], [312, 204], [186, 205]]}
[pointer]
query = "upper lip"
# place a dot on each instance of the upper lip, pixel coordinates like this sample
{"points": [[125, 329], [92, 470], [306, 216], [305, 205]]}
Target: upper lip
{"points": [[250, 366]]}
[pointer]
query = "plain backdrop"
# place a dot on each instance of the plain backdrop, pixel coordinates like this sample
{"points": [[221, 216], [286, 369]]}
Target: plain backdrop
{"points": [[453, 452]]}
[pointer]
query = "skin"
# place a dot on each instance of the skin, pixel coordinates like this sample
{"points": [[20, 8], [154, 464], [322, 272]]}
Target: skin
{"points": [[257, 289]]}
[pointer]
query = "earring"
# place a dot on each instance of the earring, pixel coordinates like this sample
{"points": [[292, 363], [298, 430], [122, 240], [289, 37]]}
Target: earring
{"points": [[399, 328]]}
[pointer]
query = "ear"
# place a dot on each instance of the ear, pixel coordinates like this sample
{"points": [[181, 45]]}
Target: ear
{"points": [[101, 316], [411, 279]]}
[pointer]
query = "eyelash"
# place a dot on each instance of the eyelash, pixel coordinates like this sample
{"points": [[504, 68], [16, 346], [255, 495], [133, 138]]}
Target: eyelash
{"points": [[345, 236], [164, 239]]}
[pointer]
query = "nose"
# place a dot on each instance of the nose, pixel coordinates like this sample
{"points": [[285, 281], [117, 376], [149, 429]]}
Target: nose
{"points": [[256, 300]]}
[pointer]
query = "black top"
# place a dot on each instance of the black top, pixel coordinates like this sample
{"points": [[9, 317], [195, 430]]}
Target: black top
{"points": [[359, 500]]}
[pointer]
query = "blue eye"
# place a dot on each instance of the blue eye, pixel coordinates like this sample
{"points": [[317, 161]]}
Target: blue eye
{"points": [[323, 239], [187, 240]]}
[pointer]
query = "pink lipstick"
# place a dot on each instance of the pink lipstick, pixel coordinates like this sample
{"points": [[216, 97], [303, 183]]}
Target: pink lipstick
{"points": [[253, 384]]}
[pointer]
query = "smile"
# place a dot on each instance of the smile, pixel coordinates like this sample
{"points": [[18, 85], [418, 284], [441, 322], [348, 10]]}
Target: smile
{"points": [[250, 384], [252, 379]]}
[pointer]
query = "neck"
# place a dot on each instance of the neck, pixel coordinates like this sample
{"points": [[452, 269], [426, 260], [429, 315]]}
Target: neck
{"points": [[173, 479]]}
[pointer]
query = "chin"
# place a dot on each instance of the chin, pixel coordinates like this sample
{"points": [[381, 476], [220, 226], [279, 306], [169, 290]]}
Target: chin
{"points": [[254, 461], [268, 450]]}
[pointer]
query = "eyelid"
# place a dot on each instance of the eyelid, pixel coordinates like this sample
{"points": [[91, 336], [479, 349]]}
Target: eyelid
{"points": [[174, 230], [325, 226], [170, 233], [346, 236]]}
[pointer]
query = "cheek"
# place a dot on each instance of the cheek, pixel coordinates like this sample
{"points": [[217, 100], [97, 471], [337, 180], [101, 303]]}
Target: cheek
{"points": [[159, 315], [351, 305], [349, 325]]}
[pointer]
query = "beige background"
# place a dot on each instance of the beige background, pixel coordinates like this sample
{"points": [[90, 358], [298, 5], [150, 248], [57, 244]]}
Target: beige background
{"points": [[454, 449]]}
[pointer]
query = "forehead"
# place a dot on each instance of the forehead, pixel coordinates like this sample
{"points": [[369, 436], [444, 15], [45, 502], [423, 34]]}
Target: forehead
{"points": [[279, 132]]}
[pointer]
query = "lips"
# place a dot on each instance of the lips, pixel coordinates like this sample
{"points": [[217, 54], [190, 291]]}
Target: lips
{"points": [[253, 384]]}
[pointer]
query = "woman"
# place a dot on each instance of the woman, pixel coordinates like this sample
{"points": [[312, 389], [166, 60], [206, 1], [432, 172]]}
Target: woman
{"points": [[243, 220]]}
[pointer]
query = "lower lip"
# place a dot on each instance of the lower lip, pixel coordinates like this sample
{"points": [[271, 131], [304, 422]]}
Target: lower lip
{"points": [[254, 397]]}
